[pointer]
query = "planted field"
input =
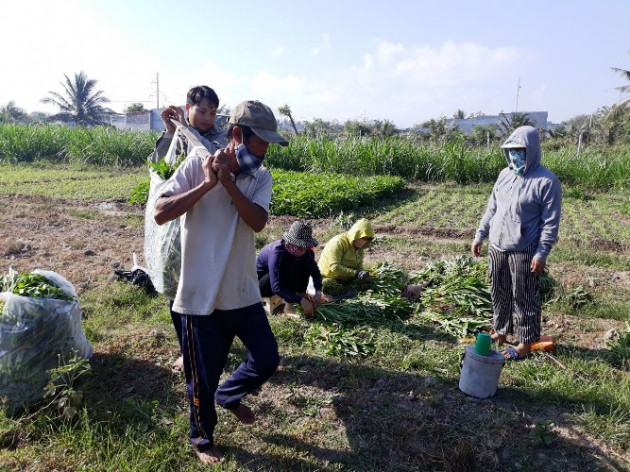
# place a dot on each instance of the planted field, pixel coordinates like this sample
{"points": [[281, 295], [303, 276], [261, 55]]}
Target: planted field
{"points": [[599, 222], [356, 391]]}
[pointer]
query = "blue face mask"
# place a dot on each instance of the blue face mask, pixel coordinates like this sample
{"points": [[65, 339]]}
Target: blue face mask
{"points": [[247, 161], [517, 161]]}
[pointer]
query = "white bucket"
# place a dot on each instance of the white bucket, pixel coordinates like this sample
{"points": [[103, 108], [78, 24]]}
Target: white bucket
{"points": [[480, 374]]}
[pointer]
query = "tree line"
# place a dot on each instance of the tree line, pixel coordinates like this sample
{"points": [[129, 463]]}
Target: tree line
{"points": [[81, 104]]}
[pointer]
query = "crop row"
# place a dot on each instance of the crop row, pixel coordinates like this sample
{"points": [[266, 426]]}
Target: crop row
{"points": [[602, 217]]}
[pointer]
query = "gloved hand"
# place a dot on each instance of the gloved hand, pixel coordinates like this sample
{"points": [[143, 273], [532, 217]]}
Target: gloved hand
{"points": [[362, 274]]}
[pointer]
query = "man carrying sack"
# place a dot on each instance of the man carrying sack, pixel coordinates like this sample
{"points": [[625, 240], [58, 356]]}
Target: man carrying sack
{"points": [[222, 199]]}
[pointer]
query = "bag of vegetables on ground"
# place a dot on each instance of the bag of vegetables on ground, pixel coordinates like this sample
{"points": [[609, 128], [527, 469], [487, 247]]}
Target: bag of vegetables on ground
{"points": [[162, 248], [40, 327]]}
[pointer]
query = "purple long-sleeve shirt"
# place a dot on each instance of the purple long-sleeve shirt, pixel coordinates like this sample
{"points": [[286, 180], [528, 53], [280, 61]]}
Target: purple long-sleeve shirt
{"points": [[275, 260]]}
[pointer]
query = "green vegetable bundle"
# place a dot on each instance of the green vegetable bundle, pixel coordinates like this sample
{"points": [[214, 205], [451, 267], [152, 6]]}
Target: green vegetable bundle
{"points": [[32, 285], [346, 327], [40, 326], [163, 168]]}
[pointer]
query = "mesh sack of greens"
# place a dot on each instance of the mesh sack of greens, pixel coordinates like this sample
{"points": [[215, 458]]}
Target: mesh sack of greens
{"points": [[162, 250], [162, 243], [40, 326]]}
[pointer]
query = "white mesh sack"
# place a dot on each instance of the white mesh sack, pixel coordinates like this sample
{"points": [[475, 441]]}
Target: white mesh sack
{"points": [[36, 335]]}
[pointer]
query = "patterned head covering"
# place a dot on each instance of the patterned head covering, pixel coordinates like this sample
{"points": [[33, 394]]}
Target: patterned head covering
{"points": [[300, 234]]}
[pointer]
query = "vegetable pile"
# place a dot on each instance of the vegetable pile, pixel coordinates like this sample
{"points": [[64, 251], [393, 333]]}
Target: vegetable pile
{"points": [[454, 296], [348, 327]]}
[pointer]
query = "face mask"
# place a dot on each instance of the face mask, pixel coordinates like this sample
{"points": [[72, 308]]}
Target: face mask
{"points": [[295, 250], [247, 161], [517, 161]]}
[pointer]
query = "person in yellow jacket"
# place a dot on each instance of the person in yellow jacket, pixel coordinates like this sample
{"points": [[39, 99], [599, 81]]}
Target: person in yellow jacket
{"points": [[342, 257]]}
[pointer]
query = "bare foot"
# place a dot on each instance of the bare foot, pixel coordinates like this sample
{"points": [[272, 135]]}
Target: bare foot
{"points": [[210, 457], [243, 413], [499, 338], [178, 365], [523, 349]]}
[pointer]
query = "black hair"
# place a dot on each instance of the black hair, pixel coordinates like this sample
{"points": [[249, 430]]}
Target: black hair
{"points": [[196, 94], [247, 132]]}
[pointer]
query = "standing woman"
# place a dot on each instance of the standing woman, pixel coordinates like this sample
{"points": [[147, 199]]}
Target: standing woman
{"points": [[521, 221], [285, 266]]}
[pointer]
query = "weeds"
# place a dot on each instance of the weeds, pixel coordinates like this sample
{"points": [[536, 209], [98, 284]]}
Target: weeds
{"points": [[542, 433], [619, 354]]}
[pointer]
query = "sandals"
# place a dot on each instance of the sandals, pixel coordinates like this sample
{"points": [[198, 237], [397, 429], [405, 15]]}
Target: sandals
{"points": [[511, 354]]}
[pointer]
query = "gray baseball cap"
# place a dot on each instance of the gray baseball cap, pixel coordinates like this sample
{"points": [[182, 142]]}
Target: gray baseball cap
{"points": [[260, 119]]}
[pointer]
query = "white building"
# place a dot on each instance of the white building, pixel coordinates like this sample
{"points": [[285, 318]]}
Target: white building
{"points": [[149, 120]]}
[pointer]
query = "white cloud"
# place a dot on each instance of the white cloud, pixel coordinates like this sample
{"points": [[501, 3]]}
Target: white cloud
{"points": [[396, 82], [389, 81], [267, 84], [451, 63], [406, 85]]}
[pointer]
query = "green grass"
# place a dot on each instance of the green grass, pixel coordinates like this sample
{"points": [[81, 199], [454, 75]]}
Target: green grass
{"points": [[598, 169], [74, 182], [318, 411], [398, 408], [61, 144], [295, 193]]}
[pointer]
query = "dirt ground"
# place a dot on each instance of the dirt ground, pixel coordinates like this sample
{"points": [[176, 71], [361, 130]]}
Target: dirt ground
{"points": [[86, 244]]}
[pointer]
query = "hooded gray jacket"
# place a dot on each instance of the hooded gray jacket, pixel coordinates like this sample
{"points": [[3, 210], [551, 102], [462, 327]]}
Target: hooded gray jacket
{"points": [[523, 209]]}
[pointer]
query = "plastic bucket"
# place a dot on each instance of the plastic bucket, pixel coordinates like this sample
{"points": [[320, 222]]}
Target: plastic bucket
{"points": [[480, 374]]}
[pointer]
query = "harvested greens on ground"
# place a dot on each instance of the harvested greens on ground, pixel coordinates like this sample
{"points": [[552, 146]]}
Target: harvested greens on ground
{"points": [[453, 294], [347, 327], [457, 294], [40, 329]]}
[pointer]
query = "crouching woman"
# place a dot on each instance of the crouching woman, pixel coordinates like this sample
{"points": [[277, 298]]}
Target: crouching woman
{"points": [[285, 266]]}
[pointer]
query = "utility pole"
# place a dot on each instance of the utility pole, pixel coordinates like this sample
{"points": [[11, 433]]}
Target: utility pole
{"points": [[518, 88], [157, 92]]}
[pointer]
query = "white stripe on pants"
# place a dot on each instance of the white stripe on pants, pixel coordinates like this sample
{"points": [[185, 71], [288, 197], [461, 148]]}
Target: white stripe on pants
{"points": [[515, 294]]}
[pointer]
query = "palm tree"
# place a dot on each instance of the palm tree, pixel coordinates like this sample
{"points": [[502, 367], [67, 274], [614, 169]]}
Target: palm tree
{"points": [[459, 114], [286, 111], [624, 88], [12, 114], [511, 121], [81, 104]]}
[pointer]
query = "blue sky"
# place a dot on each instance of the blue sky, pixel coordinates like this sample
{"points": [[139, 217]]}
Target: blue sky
{"points": [[404, 61]]}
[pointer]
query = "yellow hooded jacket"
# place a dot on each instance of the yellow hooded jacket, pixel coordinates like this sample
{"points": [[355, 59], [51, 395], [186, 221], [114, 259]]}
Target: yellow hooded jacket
{"points": [[340, 259]]}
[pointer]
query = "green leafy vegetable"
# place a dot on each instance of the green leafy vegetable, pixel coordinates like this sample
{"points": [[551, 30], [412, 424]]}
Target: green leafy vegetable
{"points": [[163, 168], [32, 285]]}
